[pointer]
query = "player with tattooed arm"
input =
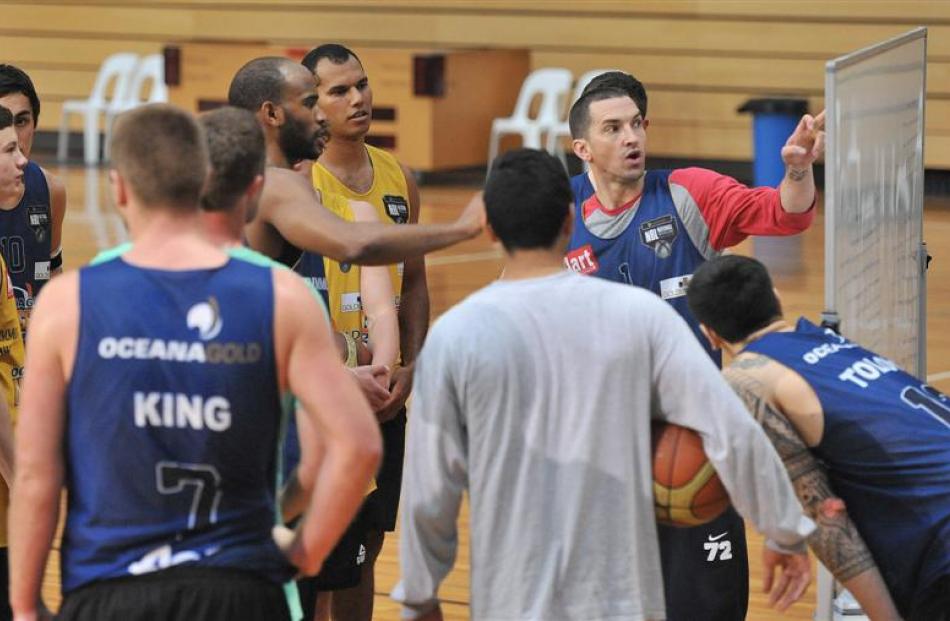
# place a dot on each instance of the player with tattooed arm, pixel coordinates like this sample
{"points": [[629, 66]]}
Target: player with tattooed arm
{"points": [[866, 444]]}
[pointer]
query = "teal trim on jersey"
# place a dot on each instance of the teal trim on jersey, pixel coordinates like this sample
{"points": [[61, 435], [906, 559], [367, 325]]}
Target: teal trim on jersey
{"points": [[288, 402], [242, 253], [111, 253]]}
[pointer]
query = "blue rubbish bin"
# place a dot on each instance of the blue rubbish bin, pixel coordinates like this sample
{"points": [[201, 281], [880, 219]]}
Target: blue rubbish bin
{"points": [[773, 121]]}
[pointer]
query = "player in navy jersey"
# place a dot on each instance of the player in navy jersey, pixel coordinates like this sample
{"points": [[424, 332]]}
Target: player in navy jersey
{"points": [[866, 444], [653, 229], [175, 519], [31, 227]]}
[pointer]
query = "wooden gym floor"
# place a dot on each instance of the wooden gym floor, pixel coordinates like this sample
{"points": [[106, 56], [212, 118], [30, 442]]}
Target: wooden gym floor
{"points": [[91, 225]]}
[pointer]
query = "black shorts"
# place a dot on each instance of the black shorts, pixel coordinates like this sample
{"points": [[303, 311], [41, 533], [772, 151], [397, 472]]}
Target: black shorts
{"points": [[343, 567], [382, 505], [183, 593], [6, 614], [934, 603], [706, 570]]}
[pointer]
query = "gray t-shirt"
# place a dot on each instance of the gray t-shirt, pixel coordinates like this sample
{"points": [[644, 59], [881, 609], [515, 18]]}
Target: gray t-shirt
{"points": [[536, 396]]}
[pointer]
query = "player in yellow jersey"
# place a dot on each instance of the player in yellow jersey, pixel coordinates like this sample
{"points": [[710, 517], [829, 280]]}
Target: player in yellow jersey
{"points": [[358, 171], [12, 163]]}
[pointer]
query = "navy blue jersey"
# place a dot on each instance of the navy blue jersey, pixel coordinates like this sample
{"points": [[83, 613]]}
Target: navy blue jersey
{"points": [[25, 234], [886, 447], [173, 417], [312, 268], [650, 246]]}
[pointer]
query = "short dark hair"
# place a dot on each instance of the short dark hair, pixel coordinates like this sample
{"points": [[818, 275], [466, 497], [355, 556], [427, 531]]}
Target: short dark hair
{"points": [[527, 197], [162, 154], [733, 296], [623, 81], [259, 81], [334, 52], [15, 80], [605, 86], [237, 154], [6, 117]]}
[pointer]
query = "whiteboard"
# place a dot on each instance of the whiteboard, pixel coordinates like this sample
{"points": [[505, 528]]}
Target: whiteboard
{"points": [[874, 189]]}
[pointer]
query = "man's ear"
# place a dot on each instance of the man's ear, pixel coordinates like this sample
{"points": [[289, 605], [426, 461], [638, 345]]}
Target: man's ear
{"points": [[254, 190], [715, 341], [646, 123], [120, 193], [581, 149], [271, 114], [492, 235]]}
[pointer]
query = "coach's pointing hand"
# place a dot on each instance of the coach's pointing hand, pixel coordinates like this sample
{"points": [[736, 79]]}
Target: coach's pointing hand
{"points": [[807, 142]]}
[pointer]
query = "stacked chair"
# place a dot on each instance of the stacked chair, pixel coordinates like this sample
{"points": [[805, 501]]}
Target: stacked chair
{"points": [[128, 74]]}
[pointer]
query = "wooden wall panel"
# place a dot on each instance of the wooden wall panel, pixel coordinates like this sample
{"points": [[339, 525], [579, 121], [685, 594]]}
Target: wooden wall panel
{"points": [[905, 12], [58, 51], [698, 58]]}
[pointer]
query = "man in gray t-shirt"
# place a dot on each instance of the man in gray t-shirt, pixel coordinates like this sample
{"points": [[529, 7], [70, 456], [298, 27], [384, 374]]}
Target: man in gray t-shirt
{"points": [[535, 394]]}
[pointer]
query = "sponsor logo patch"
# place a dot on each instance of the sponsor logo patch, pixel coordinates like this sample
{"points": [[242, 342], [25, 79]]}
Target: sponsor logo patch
{"points": [[659, 234], [674, 287], [41, 270], [582, 260], [206, 318], [38, 217], [350, 302], [397, 208]]}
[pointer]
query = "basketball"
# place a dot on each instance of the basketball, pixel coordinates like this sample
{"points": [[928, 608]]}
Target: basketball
{"points": [[686, 489]]}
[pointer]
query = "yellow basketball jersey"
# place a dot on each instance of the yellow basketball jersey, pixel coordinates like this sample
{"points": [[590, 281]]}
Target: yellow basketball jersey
{"points": [[388, 194], [343, 280], [11, 371]]}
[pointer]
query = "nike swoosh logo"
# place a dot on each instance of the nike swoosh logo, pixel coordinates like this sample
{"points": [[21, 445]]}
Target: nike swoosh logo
{"points": [[718, 537]]}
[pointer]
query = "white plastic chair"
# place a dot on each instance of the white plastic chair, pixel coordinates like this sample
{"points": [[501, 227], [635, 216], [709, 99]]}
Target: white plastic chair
{"points": [[553, 85], [150, 69], [117, 68], [562, 129]]}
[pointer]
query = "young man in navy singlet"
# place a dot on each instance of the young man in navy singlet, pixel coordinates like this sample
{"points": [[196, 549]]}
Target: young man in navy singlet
{"points": [[652, 229], [31, 228], [175, 519], [866, 444]]}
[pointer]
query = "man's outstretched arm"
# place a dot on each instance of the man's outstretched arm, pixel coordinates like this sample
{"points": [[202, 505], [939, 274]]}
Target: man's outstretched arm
{"points": [[291, 206]]}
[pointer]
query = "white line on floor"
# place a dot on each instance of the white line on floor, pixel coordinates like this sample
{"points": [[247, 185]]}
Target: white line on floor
{"points": [[471, 257], [936, 377]]}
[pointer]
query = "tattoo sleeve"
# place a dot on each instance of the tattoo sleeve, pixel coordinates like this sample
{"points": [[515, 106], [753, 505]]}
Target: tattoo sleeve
{"points": [[836, 541]]}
